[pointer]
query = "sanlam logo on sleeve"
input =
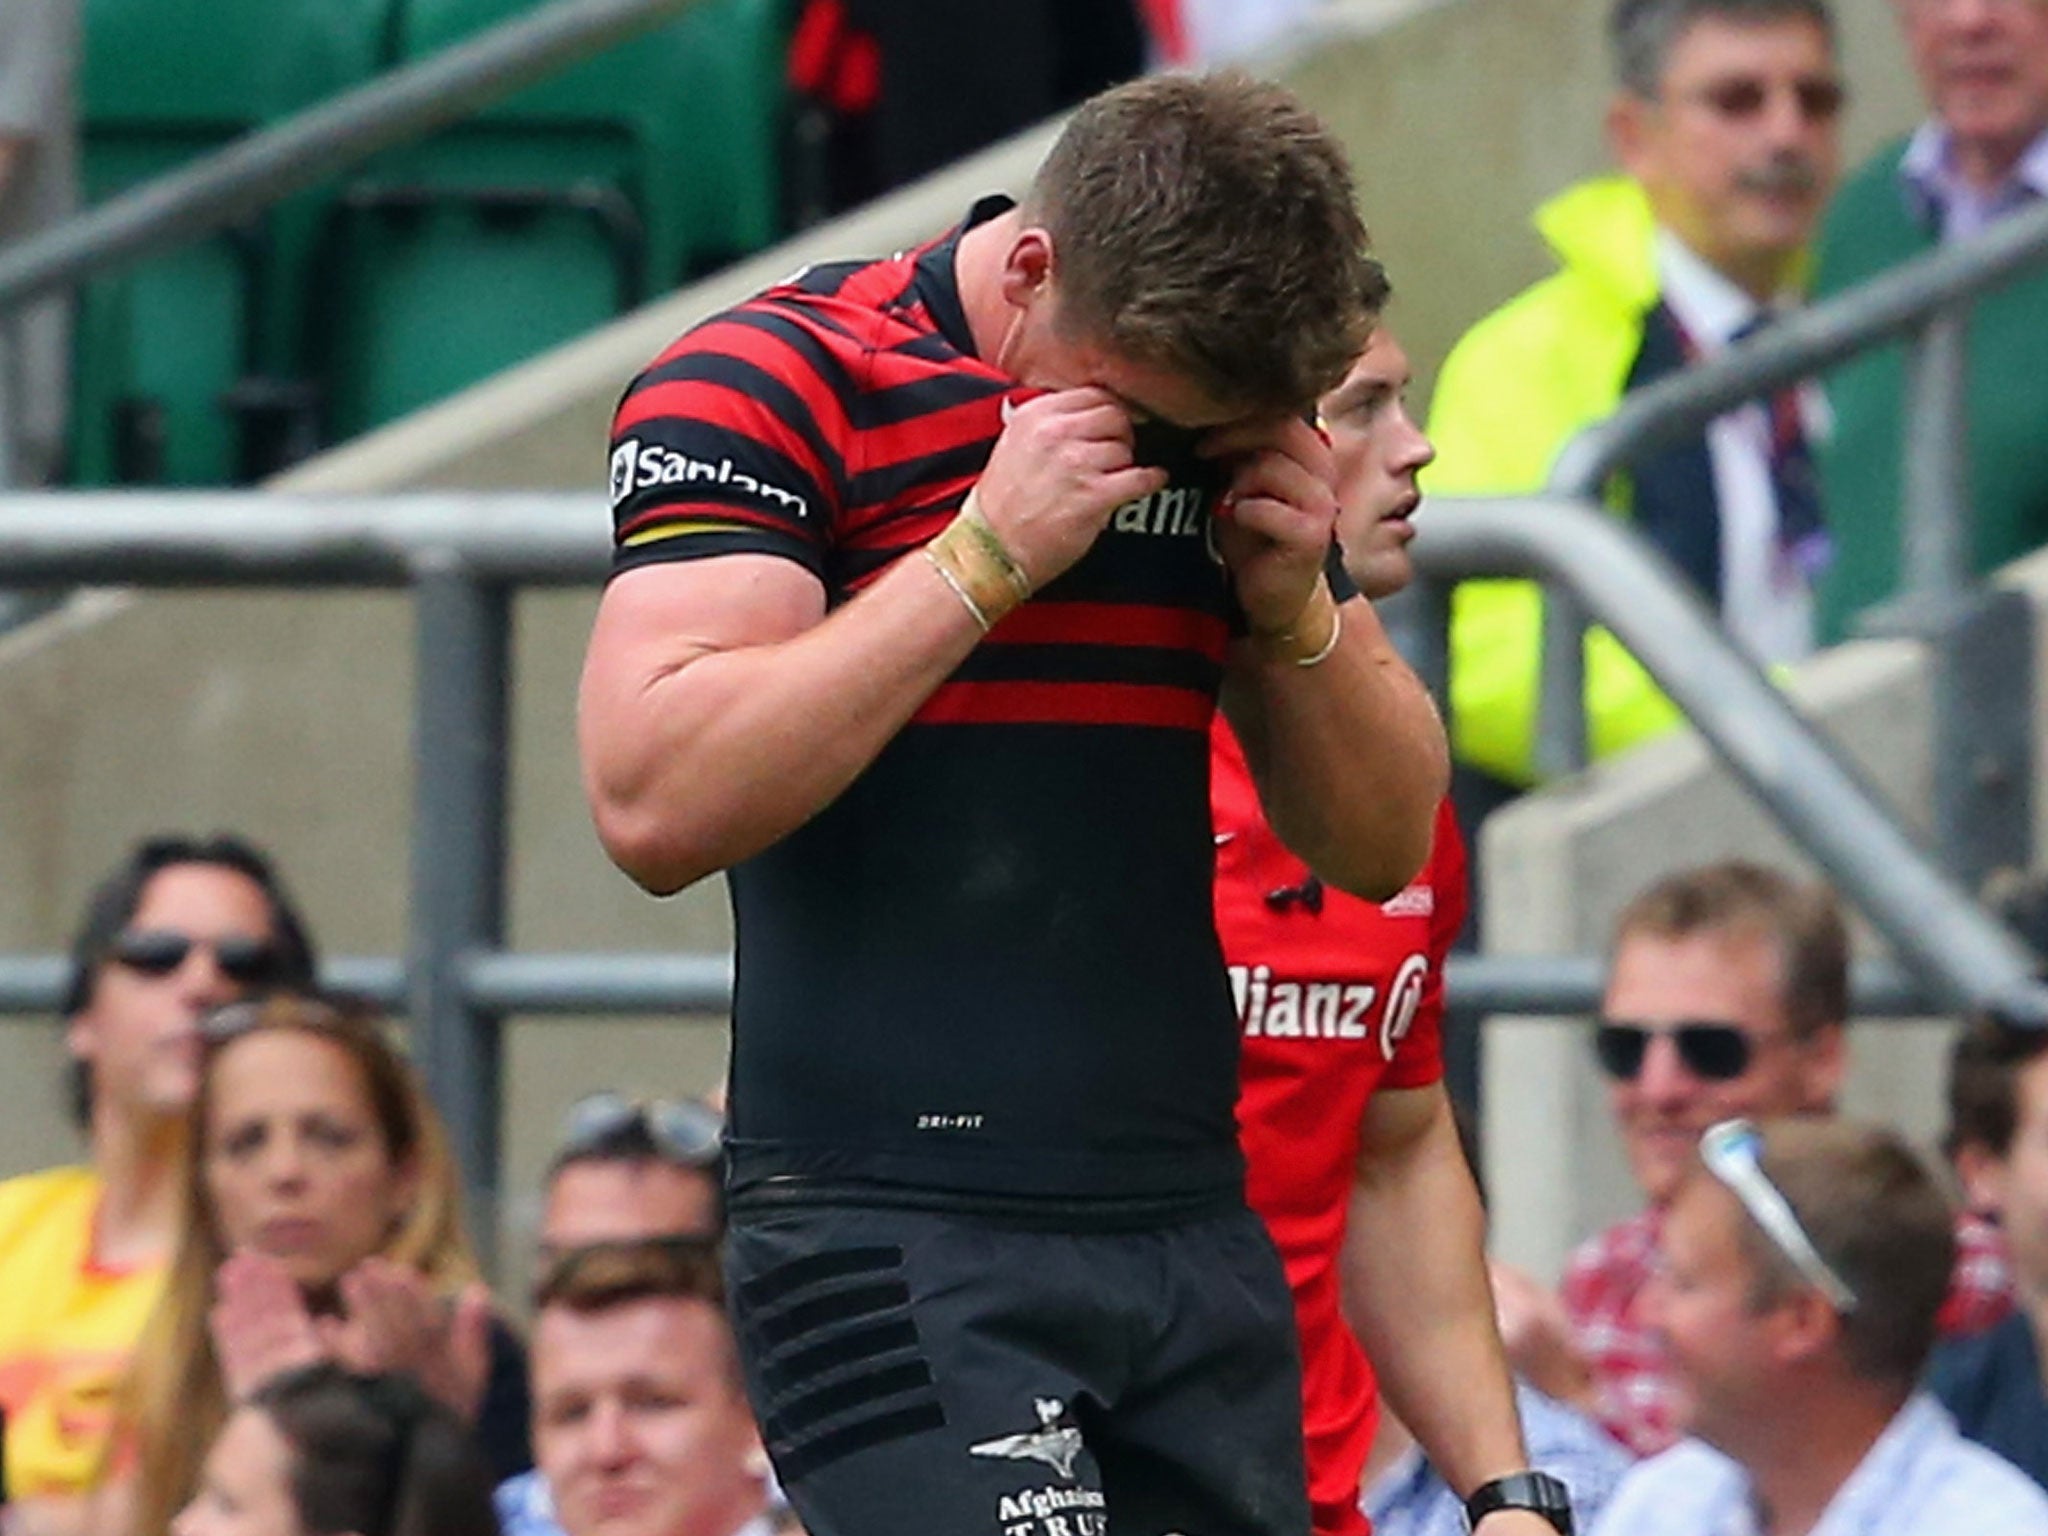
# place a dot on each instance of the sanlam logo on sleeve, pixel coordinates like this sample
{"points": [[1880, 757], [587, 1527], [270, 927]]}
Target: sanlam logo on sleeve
{"points": [[637, 466]]}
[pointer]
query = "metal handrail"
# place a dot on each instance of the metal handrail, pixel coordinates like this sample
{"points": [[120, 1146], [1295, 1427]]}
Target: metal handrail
{"points": [[1924, 300], [463, 554], [1821, 801], [254, 172], [1803, 343], [495, 541], [539, 984]]}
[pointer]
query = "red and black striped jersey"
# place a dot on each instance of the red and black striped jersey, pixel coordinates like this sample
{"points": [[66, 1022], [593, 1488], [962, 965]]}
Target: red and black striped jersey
{"points": [[990, 966]]}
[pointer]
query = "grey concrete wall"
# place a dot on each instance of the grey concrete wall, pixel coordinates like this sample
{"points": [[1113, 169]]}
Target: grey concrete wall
{"points": [[1560, 864], [288, 716]]}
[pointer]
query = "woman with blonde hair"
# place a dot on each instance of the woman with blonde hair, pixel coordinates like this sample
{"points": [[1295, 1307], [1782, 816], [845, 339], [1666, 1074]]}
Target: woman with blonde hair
{"points": [[321, 1221]]}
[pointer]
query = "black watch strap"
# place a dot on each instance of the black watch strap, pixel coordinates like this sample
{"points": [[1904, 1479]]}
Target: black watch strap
{"points": [[1537, 1491]]}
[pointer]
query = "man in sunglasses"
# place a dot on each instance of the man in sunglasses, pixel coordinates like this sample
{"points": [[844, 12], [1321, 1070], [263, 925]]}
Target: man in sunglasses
{"points": [[1981, 155], [1725, 126], [1804, 1264], [1727, 995], [180, 928]]}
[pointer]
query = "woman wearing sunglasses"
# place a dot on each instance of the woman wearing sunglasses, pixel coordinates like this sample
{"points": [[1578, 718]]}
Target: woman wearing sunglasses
{"points": [[320, 1221], [325, 1452], [179, 927]]}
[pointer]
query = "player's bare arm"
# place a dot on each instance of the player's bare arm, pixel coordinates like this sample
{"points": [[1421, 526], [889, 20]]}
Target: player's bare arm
{"points": [[722, 706], [1345, 744], [1415, 1289]]}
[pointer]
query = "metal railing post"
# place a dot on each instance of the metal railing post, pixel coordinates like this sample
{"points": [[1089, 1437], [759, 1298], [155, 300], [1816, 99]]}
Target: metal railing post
{"points": [[1934, 479], [1561, 743], [460, 714], [1979, 639]]}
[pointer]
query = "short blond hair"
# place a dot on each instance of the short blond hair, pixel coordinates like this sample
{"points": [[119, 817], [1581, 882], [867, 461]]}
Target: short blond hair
{"points": [[1800, 920]]}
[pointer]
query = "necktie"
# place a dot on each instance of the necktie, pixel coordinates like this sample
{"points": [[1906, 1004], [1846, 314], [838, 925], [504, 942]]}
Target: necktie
{"points": [[1802, 533]]}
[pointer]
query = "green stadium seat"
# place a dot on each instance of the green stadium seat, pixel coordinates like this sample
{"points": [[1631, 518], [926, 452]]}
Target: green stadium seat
{"points": [[429, 290], [184, 360], [551, 212], [686, 122]]}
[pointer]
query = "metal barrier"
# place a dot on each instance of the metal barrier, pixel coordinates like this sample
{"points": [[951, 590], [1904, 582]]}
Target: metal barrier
{"points": [[464, 556], [252, 173], [1979, 638]]}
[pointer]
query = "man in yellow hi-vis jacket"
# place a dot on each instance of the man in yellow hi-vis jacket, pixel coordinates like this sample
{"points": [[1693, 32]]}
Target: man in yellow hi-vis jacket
{"points": [[1724, 125]]}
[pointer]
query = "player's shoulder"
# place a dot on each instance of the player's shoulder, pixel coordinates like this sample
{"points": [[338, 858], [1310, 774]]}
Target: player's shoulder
{"points": [[826, 320]]}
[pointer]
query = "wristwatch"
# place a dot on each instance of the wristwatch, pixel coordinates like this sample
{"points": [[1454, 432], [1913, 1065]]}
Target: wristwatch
{"points": [[1537, 1491]]}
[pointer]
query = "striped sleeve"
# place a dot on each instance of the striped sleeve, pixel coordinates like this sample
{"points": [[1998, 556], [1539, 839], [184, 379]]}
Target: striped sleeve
{"points": [[733, 441]]}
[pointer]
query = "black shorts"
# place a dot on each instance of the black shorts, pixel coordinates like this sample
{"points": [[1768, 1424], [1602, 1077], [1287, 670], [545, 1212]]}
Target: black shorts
{"points": [[922, 1373]]}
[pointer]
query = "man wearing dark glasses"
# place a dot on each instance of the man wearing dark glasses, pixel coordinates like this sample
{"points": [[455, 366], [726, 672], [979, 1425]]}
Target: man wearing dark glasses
{"points": [[1724, 124], [181, 927], [1726, 995], [1804, 1264]]}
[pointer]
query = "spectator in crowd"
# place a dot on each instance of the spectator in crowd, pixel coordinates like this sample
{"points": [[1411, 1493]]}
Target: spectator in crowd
{"points": [[1804, 1263], [1727, 994], [322, 1451], [1983, 152], [179, 927], [1405, 1494], [1350, 1144], [38, 188], [1724, 124], [320, 1220], [625, 1170], [1975, 1142], [1993, 1381], [641, 1421]]}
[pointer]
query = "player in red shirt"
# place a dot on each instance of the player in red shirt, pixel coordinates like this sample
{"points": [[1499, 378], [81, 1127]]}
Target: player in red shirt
{"points": [[1353, 1157]]}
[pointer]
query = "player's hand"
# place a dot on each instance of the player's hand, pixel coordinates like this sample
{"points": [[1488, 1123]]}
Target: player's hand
{"points": [[1275, 522], [1062, 465]]}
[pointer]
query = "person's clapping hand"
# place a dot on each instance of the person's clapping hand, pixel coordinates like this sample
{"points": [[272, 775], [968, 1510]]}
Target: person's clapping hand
{"points": [[391, 1319], [261, 1324]]}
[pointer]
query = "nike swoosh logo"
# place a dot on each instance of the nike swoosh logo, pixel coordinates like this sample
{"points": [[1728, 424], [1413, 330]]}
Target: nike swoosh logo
{"points": [[1007, 409]]}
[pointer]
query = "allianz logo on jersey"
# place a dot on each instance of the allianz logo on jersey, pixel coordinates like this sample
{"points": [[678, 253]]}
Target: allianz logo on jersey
{"points": [[636, 466], [1174, 511], [1281, 1009]]}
